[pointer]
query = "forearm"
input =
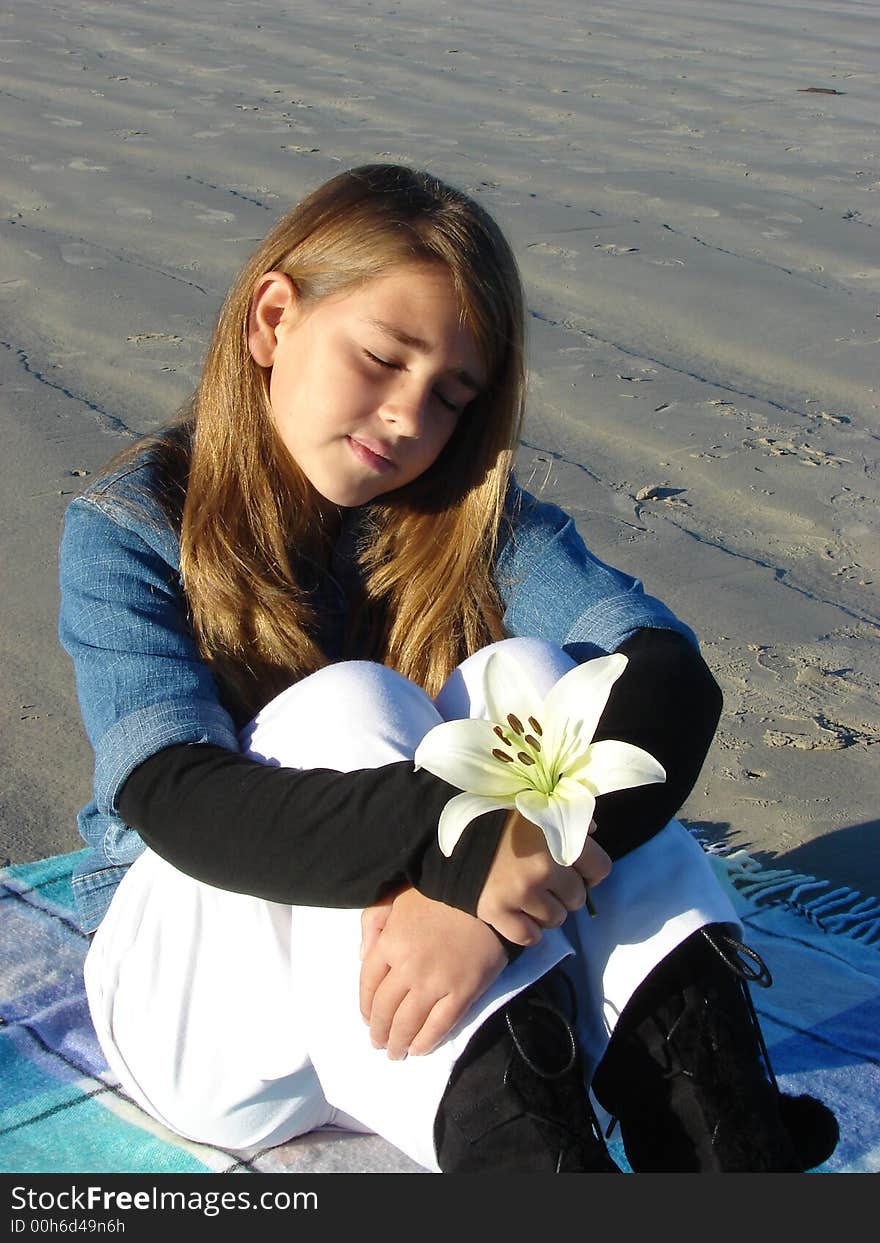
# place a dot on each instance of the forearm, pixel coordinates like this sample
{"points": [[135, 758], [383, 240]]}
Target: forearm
{"points": [[311, 838], [324, 838]]}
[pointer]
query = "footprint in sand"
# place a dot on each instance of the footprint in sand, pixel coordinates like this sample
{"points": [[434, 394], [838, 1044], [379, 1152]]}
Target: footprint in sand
{"points": [[79, 255], [166, 338], [83, 166], [830, 418], [804, 453], [548, 249], [210, 215], [831, 738], [130, 212]]}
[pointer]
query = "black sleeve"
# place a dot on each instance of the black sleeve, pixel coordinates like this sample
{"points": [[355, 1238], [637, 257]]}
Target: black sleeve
{"points": [[667, 702], [323, 838], [310, 838]]}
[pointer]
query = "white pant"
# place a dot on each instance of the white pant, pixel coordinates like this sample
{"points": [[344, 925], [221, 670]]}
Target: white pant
{"points": [[235, 1021]]}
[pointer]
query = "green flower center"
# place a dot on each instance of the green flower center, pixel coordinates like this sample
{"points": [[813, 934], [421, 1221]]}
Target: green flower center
{"points": [[525, 751]]}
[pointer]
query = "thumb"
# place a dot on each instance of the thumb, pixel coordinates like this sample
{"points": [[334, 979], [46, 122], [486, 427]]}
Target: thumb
{"points": [[373, 920], [594, 864]]}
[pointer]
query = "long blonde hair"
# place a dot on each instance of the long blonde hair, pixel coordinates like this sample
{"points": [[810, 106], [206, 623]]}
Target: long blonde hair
{"points": [[428, 597]]}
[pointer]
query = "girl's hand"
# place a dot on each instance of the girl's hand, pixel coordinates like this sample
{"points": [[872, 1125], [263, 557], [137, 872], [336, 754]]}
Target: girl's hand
{"points": [[423, 970], [373, 920], [526, 890]]}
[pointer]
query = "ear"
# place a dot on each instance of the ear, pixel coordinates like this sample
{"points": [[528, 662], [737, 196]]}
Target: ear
{"points": [[274, 298]]}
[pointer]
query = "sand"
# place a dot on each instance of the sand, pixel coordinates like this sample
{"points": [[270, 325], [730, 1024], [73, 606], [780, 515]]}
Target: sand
{"points": [[693, 190]]}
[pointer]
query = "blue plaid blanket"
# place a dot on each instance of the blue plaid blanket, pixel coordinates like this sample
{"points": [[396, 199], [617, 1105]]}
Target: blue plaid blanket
{"points": [[61, 1110]]}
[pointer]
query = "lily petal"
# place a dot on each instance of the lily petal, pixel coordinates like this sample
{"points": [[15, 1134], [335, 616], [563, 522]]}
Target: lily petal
{"points": [[615, 765], [508, 688], [581, 695], [564, 821], [459, 812], [461, 753]]}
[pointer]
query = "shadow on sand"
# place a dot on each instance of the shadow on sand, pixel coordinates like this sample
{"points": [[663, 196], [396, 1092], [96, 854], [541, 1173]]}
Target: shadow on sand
{"points": [[848, 857]]}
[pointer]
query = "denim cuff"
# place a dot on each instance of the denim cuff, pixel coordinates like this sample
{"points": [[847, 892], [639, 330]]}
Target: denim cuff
{"points": [[137, 736]]}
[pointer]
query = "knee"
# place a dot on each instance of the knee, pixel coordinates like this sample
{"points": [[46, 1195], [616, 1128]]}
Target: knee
{"points": [[352, 714], [543, 662], [533, 651]]}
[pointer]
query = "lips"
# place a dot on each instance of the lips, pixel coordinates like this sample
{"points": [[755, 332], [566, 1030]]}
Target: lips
{"points": [[373, 454]]}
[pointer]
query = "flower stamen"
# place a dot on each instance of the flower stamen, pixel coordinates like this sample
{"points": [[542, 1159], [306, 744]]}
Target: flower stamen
{"points": [[554, 775]]}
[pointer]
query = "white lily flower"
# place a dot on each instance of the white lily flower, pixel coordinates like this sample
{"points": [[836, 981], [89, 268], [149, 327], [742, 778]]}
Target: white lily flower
{"points": [[536, 755]]}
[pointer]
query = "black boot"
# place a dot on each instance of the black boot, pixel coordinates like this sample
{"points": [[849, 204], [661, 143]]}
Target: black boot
{"points": [[516, 1101], [688, 1078]]}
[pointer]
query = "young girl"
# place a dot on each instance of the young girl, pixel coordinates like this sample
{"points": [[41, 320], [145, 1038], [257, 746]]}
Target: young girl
{"points": [[268, 605]]}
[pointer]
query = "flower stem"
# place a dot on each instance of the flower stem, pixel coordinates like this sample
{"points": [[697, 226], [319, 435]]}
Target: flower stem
{"points": [[591, 910]]}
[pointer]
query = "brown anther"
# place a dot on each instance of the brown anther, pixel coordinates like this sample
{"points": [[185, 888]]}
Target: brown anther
{"points": [[499, 732], [502, 755], [524, 759], [515, 724], [533, 742], [536, 726]]}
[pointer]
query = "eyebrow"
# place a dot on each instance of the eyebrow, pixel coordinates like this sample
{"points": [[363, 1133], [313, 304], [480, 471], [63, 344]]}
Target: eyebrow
{"points": [[424, 347]]}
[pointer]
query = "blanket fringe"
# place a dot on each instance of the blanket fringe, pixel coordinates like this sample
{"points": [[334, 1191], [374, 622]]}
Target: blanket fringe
{"points": [[843, 911]]}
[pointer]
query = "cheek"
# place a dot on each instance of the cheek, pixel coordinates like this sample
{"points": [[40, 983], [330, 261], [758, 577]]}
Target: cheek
{"points": [[447, 430], [279, 390]]}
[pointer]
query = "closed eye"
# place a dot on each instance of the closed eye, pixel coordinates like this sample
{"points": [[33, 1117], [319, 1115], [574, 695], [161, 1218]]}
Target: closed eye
{"points": [[450, 405], [382, 362], [454, 406]]}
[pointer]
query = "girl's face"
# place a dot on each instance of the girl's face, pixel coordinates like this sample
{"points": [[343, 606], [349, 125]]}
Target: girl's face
{"points": [[366, 386]]}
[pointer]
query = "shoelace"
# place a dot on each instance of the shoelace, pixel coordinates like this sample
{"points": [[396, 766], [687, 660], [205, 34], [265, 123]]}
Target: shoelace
{"points": [[749, 968], [539, 1003], [732, 951], [548, 1008]]}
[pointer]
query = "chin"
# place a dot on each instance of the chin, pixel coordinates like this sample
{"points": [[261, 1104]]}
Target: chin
{"points": [[347, 500]]}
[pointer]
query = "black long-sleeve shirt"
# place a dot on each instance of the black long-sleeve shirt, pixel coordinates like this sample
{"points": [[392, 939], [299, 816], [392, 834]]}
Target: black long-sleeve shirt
{"points": [[323, 838]]}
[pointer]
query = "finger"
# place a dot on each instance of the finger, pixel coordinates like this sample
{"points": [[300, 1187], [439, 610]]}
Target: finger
{"points": [[386, 1001], [518, 927], [568, 887], [373, 971], [594, 864], [547, 911], [373, 920], [445, 1015], [409, 1019]]}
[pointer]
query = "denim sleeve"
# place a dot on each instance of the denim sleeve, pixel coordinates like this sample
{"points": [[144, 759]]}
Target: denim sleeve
{"points": [[141, 683], [554, 588]]}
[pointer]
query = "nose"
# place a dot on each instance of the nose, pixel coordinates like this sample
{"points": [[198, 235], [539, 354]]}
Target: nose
{"points": [[405, 407]]}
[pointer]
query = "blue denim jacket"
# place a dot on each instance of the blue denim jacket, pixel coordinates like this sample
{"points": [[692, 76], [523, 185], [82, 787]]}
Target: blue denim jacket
{"points": [[142, 685]]}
